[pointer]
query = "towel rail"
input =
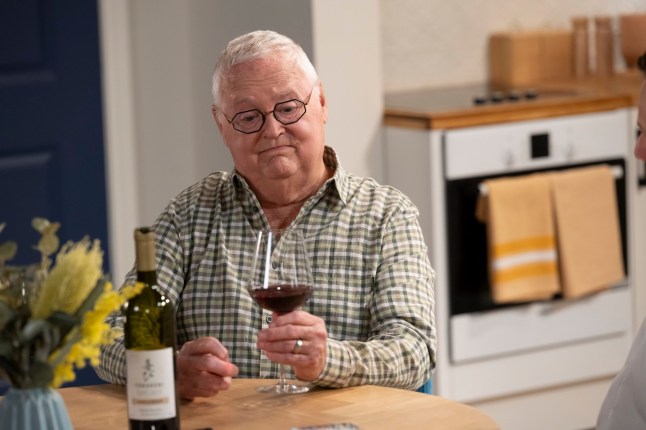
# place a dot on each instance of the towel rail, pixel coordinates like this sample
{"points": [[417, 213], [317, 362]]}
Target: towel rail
{"points": [[617, 172]]}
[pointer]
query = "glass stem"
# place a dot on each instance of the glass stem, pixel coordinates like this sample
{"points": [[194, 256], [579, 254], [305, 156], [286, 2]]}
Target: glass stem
{"points": [[282, 383]]}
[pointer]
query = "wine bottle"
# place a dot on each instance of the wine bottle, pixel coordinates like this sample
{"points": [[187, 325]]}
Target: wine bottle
{"points": [[150, 346]]}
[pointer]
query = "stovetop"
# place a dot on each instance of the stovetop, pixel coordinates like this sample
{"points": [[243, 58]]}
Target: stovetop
{"points": [[470, 97]]}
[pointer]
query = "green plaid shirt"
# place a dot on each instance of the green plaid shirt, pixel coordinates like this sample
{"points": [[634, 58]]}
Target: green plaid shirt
{"points": [[374, 282]]}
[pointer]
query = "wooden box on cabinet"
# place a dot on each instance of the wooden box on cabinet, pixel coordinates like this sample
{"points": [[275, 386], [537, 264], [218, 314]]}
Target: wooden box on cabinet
{"points": [[524, 59]]}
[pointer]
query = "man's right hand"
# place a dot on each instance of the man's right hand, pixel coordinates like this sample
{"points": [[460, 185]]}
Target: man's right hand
{"points": [[204, 368]]}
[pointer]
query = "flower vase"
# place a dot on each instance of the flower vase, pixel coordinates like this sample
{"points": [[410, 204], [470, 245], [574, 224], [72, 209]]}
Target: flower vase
{"points": [[34, 409]]}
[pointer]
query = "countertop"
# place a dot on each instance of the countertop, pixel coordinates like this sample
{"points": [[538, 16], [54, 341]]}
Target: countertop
{"points": [[449, 108]]}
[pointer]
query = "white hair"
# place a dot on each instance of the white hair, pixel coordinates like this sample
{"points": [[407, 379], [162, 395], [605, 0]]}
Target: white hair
{"points": [[256, 45]]}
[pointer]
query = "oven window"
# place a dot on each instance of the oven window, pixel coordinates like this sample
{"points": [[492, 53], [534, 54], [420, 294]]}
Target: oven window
{"points": [[467, 240]]}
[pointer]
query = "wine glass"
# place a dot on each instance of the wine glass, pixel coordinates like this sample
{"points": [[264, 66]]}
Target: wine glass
{"points": [[280, 281]]}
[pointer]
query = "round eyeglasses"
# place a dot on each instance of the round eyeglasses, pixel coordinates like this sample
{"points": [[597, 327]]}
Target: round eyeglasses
{"points": [[287, 112]]}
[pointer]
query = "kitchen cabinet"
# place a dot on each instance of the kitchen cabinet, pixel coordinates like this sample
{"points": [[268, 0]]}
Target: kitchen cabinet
{"points": [[527, 365]]}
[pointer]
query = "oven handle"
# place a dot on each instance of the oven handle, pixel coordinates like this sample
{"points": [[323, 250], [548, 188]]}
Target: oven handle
{"points": [[617, 172]]}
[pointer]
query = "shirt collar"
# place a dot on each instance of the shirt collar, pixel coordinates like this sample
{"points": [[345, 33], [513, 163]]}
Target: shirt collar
{"points": [[339, 181]]}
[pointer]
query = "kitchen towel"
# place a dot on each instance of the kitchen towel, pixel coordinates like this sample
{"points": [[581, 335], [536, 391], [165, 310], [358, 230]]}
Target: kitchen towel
{"points": [[520, 235], [587, 223]]}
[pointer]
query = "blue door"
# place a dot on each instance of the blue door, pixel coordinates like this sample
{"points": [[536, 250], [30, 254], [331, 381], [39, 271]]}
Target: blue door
{"points": [[51, 132]]}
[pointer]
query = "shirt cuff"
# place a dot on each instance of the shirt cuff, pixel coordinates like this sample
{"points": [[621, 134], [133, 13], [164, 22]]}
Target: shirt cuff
{"points": [[338, 368]]}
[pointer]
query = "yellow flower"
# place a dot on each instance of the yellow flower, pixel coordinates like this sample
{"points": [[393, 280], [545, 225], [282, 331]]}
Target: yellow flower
{"points": [[94, 331], [77, 270], [64, 325]]}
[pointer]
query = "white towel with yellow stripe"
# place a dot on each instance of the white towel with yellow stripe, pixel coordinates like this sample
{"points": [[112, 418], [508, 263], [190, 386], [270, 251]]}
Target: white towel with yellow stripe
{"points": [[523, 261]]}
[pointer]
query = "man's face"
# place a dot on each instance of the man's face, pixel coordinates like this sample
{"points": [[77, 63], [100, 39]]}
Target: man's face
{"points": [[277, 151], [640, 146]]}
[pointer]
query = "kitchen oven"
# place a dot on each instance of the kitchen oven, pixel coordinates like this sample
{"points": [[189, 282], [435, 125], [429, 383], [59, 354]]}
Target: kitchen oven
{"points": [[488, 351]]}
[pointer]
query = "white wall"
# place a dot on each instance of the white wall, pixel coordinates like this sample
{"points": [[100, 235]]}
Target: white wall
{"points": [[433, 43], [347, 55]]}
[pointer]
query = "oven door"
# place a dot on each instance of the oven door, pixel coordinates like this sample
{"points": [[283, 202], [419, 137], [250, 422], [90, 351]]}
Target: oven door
{"points": [[481, 328]]}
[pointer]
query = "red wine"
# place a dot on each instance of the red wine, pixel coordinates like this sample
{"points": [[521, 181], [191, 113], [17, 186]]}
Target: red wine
{"points": [[281, 298]]}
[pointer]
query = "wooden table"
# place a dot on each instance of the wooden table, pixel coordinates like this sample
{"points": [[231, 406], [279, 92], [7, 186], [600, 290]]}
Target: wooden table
{"points": [[241, 407]]}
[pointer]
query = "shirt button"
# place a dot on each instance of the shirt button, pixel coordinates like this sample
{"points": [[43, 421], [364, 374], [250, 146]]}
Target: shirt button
{"points": [[268, 319], [274, 265]]}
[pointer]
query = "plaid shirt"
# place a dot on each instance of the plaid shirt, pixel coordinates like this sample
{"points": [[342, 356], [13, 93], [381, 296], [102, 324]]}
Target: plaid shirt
{"points": [[374, 282]]}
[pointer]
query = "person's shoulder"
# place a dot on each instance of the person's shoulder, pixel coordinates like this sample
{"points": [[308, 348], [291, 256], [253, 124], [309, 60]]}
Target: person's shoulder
{"points": [[371, 189], [214, 181], [205, 191]]}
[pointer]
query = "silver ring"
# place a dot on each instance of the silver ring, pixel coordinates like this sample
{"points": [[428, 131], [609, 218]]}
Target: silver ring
{"points": [[297, 346]]}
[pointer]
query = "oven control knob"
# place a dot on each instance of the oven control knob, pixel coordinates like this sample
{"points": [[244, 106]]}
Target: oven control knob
{"points": [[531, 94], [497, 97], [479, 100], [513, 96]]}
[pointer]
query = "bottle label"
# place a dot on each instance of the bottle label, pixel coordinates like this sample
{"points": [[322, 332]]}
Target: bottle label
{"points": [[151, 384]]}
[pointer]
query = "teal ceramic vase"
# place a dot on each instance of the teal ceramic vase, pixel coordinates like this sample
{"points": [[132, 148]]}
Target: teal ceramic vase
{"points": [[34, 409]]}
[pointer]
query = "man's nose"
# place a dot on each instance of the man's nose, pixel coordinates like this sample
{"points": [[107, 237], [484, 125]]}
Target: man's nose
{"points": [[272, 127]]}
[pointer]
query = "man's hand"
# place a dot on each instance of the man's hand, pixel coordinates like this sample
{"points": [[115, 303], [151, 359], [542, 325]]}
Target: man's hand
{"points": [[204, 368], [278, 342]]}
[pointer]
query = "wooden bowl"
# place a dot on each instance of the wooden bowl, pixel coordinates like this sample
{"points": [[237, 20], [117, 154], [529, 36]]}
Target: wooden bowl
{"points": [[633, 37]]}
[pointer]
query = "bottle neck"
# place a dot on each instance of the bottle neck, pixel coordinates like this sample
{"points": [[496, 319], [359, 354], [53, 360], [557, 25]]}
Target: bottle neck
{"points": [[147, 276], [145, 251]]}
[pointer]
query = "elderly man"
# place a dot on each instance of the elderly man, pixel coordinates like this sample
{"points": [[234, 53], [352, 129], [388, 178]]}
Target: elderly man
{"points": [[372, 319]]}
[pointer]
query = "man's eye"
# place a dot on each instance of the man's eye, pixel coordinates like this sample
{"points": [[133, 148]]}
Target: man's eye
{"points": [[287, 109], [249, 117]]}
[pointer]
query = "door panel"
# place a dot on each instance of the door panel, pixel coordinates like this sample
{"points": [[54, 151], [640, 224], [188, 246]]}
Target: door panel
{"points": [[51, 132]]}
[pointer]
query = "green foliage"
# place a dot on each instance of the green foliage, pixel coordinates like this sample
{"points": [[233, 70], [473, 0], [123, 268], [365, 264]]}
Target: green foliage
{"points": [[7, 249], [26, 343]]}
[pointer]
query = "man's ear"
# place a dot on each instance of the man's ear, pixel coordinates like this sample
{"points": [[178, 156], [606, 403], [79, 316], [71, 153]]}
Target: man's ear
{"points": [[214, 112], [322, 100]]}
